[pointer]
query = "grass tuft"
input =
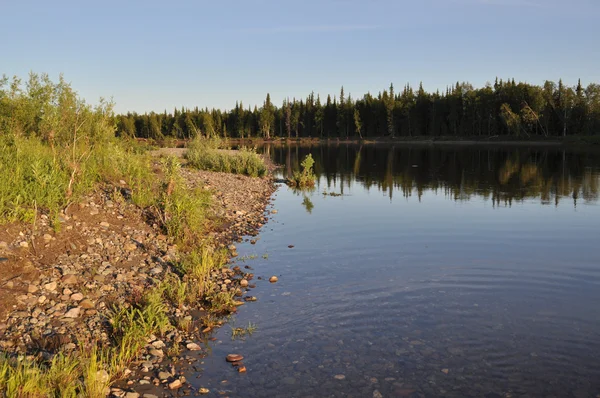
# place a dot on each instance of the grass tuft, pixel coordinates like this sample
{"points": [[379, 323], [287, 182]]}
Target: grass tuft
{"points": [[204, 154]]}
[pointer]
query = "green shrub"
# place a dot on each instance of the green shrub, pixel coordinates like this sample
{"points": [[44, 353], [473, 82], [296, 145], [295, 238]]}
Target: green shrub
{"points": [[306, 177]]}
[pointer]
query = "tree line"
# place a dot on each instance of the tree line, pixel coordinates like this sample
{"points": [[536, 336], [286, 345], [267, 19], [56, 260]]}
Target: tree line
{"points": [[504, 108]]}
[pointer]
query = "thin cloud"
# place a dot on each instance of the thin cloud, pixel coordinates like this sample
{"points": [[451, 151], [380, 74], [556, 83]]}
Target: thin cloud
{"points": [[312, 29]]}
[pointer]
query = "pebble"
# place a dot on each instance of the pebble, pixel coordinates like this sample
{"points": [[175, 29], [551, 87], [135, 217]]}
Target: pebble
{"points": [[32, 288], [339, 377], [72, 313], [86, 304], [203, 390], [174, 385], [164, 375], [104, 224], [234, 358], [50, 286], [243, 283], [193, 347], [69, 279], [377, 394], [77, 297], [132, 395], [273, 279], [445, 371]]}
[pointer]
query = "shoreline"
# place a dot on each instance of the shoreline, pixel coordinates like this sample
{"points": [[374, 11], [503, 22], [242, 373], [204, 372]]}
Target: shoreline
{"points": [[568, 142], [59, 289]]}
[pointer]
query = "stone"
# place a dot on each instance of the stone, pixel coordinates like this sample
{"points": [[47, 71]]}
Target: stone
{"points": [[24, 244], [41, 299], [3, 245], [50, 286], [273, 279], [203, 390], [149, 396], [32, 288], [102, 376], [377, 394], [158, 344], [274, 211], [72, 313], [243, 283], [164, 375], [445, 371], [77, 296], [104, 224], [86, 304], [47, 237], [234, 358], [241, 369], [157, 353], [132, 394], [69, 279], [176, 384], [339, 377], [193, 347], [130, 247]]}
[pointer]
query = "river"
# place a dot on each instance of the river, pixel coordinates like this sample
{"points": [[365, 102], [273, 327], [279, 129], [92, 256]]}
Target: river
{"points": [[432, 271]]}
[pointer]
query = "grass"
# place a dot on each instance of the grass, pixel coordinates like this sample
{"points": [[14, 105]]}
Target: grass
{"points": [[204, 154], [237, 333], [183, 211]]}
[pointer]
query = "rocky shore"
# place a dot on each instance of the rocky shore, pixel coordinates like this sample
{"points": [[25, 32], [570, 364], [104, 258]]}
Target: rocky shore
{"points": [[59, 285]]}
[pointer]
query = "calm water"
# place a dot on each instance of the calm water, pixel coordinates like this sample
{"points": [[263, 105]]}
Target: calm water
{"points": [[438, 272]]}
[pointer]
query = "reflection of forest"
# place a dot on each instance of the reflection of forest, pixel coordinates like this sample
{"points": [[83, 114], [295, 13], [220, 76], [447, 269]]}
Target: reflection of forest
{"points": [[500, 174]]}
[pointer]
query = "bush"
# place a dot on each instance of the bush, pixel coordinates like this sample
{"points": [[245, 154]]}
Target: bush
{"points": [[204, 154], [306, 178]]}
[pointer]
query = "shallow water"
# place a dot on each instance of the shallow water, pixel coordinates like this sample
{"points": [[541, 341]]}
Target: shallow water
{"points": [[438, 272]]}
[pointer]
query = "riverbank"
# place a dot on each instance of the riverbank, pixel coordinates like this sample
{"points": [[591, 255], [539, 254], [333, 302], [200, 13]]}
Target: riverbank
{"points": [[570, 141], [64, 288]]}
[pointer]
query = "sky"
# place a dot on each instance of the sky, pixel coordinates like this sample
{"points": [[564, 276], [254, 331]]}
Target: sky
{"points": [[158, 55]]}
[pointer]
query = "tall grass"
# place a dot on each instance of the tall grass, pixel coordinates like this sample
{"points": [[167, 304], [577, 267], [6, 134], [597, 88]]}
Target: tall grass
{"points": [[183, 211], [205, 154]]}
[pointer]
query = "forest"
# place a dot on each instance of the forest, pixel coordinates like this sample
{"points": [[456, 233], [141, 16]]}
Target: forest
{"points": [[505, 108]]}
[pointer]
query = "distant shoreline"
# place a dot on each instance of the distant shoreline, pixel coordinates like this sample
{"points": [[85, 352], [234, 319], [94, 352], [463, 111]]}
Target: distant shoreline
{"points": [[455, 141]]}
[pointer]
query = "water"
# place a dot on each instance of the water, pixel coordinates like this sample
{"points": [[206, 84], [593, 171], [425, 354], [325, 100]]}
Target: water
{"points": [[440, 271]]}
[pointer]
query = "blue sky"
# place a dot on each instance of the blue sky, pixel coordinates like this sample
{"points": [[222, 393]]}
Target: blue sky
{"points": [[159, 55]]}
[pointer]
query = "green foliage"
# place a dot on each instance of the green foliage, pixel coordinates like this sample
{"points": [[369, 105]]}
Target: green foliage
{"points": [[306, 177], [54, 148], [205, 155]]}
